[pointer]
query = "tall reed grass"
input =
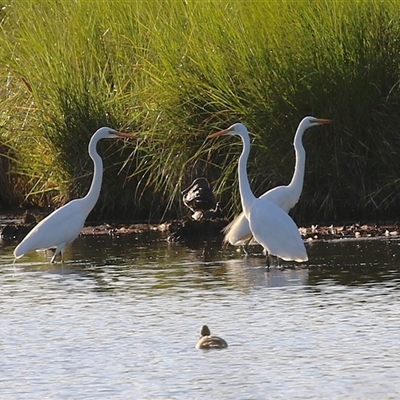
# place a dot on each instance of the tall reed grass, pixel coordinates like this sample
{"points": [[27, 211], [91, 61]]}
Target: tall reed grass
{"points": [[173, 71]]}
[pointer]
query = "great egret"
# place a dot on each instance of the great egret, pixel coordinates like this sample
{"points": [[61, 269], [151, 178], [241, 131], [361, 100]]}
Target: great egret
{"points": [[269, 224], [63, 225], [208, 342], [238, 232]]}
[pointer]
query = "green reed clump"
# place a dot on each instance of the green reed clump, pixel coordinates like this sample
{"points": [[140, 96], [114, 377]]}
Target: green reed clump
{"points": [[72, 89], [173, 71], [269, 65]]}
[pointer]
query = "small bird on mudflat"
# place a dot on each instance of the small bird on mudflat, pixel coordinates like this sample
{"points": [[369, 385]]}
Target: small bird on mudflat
{"points": [[208, 342]]}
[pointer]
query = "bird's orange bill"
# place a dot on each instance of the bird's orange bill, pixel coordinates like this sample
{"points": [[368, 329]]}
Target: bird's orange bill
{"points": [[323, 121], [124, 135], [220, 133]]}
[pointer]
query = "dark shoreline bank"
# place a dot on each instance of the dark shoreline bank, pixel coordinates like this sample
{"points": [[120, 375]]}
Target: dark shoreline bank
{"points": [[209, 228]]}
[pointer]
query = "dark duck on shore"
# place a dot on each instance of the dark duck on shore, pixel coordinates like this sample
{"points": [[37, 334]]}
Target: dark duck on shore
{"points": [[208, 342], [207, 220], [199, 197]]}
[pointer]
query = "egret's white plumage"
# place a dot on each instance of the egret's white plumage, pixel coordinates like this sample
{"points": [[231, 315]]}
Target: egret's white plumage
{"points": [[63, 225], [272, 227], [286, 197]]}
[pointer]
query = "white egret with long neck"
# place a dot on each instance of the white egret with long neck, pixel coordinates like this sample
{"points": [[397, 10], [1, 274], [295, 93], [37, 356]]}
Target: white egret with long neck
{"points": [[272, 227], [63, 225], [238, 232]]}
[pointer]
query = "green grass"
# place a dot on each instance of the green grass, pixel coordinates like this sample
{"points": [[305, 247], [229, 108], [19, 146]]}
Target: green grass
{"points": [[174, 71]]}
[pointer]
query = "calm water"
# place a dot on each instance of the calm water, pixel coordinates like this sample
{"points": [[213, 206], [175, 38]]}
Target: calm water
{"points": [[120, 319]]}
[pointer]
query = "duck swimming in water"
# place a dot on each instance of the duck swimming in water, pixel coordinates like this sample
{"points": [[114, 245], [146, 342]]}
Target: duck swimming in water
{"points": [[208, 342], [199, 197]]}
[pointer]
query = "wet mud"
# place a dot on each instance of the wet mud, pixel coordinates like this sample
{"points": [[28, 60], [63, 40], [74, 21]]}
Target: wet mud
{"points": [[15, 227]]}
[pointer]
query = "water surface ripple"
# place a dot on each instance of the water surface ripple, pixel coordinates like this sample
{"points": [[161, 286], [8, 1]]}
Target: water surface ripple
{"points": [[120, 320]]}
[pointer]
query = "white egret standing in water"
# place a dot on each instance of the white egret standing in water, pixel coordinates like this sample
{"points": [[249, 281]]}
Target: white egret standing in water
{"points": [[238, 232], [269, 224], [63, 225]]}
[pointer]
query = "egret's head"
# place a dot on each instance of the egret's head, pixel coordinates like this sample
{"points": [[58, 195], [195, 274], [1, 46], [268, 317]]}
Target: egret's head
{"points": [[308, 122], [235, 129]]}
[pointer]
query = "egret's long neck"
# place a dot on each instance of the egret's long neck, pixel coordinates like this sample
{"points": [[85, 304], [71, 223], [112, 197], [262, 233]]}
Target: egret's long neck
{"points": [[94, 192], [246, 194], [297, 181]]}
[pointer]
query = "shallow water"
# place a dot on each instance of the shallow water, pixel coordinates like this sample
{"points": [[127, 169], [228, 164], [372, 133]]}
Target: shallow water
{"points": [[120, 320]]}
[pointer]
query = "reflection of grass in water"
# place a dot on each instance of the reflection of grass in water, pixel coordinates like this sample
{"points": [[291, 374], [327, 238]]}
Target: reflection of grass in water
{"points": [[175, 71], [124, 264], [353, 263]]}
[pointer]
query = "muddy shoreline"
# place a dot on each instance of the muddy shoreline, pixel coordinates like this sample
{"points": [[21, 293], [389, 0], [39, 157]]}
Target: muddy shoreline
{"points": [[187, 229], [309, 233]]}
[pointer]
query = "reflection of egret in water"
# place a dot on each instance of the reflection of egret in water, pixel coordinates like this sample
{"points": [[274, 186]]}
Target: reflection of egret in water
{"points": [[287, 277], [252, 273], [205, 250], [126, 264]]}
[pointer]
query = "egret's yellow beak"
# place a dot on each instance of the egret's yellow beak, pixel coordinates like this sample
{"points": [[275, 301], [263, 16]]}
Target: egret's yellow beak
{"points": [[322, 121], [124, 135], [219, 133]]}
